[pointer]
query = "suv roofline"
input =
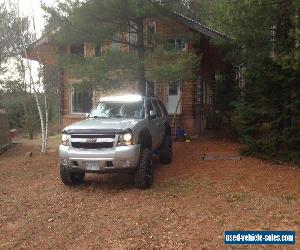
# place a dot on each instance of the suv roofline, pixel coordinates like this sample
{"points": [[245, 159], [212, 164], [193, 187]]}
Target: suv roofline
{"points": [[126, 98]]}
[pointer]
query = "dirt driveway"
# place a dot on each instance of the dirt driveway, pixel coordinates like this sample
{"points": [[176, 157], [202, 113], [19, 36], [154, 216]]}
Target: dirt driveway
{"points": [[190, 205]]}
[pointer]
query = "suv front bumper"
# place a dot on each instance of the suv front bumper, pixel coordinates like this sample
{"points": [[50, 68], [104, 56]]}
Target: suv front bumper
{"points": [[113, 160]]}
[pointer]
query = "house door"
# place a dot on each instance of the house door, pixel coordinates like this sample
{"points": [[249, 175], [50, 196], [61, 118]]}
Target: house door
{"points": [[173, 103]]}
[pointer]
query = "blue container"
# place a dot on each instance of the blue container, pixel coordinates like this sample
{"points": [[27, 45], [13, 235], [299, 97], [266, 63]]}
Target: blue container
{"points": [[180, 133]]}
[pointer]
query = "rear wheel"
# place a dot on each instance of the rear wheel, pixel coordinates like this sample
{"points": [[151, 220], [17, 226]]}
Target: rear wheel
{"points": [[71, 178], [144, 173], [166, 151]]}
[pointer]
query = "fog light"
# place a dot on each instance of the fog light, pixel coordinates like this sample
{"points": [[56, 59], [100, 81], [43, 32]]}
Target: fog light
{"points": [[75, 164]]}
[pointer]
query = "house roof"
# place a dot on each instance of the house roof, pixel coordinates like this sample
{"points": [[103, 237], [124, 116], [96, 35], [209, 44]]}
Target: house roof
{"points": [[194, 25], [44, 39]]}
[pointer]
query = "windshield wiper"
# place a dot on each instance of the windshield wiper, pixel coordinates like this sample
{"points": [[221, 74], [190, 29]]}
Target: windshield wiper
{"points": [[119, 116], [98, 117]]}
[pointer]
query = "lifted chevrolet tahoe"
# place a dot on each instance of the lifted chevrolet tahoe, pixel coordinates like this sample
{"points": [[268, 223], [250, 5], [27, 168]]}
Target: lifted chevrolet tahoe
{"points": [[118, 136]]}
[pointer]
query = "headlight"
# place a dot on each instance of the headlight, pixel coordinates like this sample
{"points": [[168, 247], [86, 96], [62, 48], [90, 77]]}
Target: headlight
{"points": [[65, 140], [125, 139]]}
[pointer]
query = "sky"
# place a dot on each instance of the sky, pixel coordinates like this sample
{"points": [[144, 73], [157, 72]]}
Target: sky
{"points": [[32, 9]]}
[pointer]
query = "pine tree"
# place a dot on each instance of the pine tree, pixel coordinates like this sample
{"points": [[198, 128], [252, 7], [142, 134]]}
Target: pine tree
{"points": [[265, 43], [101, 23], [10, 39]]}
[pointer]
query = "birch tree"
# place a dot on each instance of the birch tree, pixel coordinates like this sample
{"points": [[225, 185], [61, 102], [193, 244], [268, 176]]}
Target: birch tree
{"points": [[36, 87]]}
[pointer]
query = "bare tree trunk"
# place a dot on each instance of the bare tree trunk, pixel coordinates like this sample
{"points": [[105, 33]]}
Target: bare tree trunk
{"points": [[46, 123], [32, 84], [44, 120], [33, 87], [41, 119]]}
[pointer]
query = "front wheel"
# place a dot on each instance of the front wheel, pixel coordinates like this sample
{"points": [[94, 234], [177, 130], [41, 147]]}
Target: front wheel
{"points": [[166, 151], [71, 178], [144, 173]]}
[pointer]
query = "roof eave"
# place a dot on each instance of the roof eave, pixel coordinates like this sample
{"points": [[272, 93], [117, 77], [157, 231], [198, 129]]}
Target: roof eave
{"points": [[196, 26]]}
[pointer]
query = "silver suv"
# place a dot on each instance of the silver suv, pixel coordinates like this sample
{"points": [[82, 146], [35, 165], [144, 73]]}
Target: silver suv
{"points": [[118, 136]]}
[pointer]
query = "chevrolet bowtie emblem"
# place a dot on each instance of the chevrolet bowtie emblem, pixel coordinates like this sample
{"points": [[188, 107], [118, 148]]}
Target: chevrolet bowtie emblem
{"points": [[91, 140]]}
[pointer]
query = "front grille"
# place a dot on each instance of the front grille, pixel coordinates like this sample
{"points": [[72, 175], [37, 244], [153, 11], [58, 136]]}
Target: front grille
{"points": [[99, 145]]}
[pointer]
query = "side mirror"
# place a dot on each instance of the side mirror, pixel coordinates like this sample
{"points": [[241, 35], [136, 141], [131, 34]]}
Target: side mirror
{"points": [[152, 114], [86, 116]]}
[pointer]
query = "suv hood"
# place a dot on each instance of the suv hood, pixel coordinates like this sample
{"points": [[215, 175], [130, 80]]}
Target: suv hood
{"points": [[101, 125]]}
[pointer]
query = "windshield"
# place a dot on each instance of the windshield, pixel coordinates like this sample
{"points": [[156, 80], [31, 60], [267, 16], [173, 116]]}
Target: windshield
{"points": [[132, 110]]}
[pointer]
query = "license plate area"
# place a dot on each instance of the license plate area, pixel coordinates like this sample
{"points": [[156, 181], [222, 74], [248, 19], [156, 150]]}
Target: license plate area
{"points": [[92, 166]]}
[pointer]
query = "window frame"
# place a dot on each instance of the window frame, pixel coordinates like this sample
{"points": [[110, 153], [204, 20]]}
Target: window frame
{"points": [[116, 43], [155, 25], [72, 112], [99, 49], [132, 36], [83, 55], [150, 35], [176, 43]]}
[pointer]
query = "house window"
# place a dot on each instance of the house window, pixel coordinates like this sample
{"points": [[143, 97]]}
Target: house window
{"points": [[150, 88], [81, 99], [208, 94], [151, 29], [173, 89], [176, 43], [240, 77], [132, 35], [77, 49], [98, 51], [204, 92], [116, 42]]}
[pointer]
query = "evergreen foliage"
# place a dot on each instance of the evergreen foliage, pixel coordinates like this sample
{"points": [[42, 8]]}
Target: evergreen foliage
{"points": [[102, 23], [265, 42], [10, 33]]}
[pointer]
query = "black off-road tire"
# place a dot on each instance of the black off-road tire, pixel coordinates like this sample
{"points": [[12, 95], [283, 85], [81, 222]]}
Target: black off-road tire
{"points": [[166, 151], [144, 174], [71, 178]]}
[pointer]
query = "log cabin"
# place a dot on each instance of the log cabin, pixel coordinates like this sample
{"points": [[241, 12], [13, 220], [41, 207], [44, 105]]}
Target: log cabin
{"points": [[188, 104]]}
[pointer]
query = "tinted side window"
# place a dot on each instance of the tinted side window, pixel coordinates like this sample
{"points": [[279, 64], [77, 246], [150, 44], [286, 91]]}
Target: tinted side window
{"points": [[157, 108], [163, 107], [149, 107]]}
